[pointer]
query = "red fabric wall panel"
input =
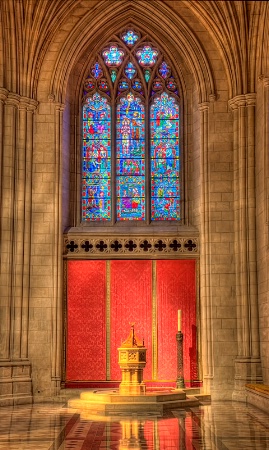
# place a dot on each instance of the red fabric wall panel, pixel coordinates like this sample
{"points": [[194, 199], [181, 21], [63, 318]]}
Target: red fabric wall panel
{"points": [[86, 337], [176, 290], [131, 301]]}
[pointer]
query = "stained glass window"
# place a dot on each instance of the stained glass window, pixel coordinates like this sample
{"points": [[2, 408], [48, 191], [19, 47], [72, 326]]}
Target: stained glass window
{"points": [[96, 167], [164, 131], [131, 149], [130, 173]]}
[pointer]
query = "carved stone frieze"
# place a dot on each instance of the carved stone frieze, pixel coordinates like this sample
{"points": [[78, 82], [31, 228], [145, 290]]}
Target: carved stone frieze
{"points": [[102, 246]]}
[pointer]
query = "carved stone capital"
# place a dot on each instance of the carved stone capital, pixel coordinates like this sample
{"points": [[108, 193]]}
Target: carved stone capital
{"points": [[251, 99], [28, 104], [264, 79], [3, 95], [212, 98], [51, 97], [59, 107], [239, 101], [203, 106], [13, 100]]}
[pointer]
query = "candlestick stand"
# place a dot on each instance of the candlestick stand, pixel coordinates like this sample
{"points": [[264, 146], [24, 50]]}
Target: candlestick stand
{"points": [[180, 373]]}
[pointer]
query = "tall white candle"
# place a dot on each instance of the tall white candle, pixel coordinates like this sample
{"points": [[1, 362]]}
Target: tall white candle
{"points": [[179, 320]]}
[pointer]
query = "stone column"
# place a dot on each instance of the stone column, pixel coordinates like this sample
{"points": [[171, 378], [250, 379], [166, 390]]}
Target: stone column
{"points": [[206, 294], [16, 175], [57, 308], [4, 279], [7, 224], [247, 363]]}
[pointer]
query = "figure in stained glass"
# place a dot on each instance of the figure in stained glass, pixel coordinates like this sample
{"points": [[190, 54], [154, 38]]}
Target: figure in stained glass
{"points": [[165, 187], [96, 163], [130, 159]]}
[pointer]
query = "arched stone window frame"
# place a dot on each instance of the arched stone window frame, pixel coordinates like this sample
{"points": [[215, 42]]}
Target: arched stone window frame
{"points": [[147, 99]]}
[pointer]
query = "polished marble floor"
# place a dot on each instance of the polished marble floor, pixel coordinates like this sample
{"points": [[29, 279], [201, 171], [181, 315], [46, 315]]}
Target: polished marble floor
{"points": [[219, 426]]}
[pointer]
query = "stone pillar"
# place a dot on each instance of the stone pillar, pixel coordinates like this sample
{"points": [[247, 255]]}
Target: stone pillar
{"points": [[16, 116], [206, 294], [247, 363], [57, 308]]}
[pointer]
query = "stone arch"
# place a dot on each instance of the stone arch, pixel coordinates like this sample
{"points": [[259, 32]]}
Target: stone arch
{"points": [[104, 22]]}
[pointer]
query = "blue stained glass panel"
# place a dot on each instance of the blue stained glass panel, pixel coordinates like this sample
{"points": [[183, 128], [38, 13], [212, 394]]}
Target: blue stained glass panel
{"points": [[123, 85], [130, 157], [97, 70], [147, 56], [130, 166], [130, 70], [165, 162], [165, 208], [113, 56], [130, 38], [165, 186], [96, 161], [130, 198], [164, 70], [137, 85], [165, 167], [157, 85]]}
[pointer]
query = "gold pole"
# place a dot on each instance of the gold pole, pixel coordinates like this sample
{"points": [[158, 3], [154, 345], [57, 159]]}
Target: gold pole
{"points": [[154, 324]]}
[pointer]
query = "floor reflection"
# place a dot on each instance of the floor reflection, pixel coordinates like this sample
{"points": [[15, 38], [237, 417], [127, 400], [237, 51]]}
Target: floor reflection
{"points": [[223, 426]]}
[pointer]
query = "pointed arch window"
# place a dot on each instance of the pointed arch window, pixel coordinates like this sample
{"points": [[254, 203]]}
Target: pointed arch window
{"points": [[131, 134]]}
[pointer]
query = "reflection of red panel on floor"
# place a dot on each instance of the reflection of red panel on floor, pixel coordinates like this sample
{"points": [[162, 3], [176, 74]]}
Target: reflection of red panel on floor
{"points": [[131, 301]]}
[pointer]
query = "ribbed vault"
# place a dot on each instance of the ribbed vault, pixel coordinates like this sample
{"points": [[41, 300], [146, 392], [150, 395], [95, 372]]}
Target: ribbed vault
{"points": [[95, 29], [238, 29]]}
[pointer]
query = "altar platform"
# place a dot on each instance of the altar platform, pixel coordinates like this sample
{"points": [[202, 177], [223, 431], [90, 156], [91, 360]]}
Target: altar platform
{"points": [[111, 403]]}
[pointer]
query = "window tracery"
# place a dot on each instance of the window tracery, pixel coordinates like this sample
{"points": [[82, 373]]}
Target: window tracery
{"points": [[131, 134]]}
